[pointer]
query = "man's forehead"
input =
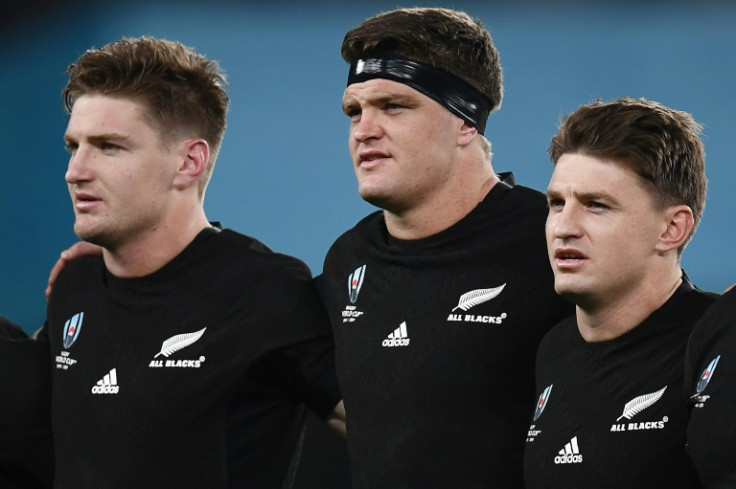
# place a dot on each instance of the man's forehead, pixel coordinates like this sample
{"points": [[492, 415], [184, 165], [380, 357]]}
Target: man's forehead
{"points": [[585, 173], [98, 113], [379, 88]]}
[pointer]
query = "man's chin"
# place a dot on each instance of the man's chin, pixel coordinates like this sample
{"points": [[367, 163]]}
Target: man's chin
{"points": [[569, 291], [374, 198], [90, 235]]}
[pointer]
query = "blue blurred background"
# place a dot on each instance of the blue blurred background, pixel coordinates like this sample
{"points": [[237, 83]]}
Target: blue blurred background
{"points": [[284, 173]]}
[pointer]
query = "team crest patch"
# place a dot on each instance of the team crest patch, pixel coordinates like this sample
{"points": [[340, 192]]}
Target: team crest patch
{"points": [[636, 406], [355, 282], [707, 375], [173, 345], [72, 328], [542, 403], [699, 398], [474, 298]]}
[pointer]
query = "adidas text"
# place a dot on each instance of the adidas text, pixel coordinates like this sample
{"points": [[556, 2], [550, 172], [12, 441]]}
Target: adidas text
{"points": [[569, 459], [105, 389], [396, 342]]}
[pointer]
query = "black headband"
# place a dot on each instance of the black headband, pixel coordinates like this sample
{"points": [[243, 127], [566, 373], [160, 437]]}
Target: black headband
{"points": [[452, 92]]}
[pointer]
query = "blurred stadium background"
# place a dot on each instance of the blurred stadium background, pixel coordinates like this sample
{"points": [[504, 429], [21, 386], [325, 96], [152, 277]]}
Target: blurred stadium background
{"points": [[284, 174]]}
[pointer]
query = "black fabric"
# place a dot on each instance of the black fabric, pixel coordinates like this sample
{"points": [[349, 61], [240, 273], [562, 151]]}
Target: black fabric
{"points": [[446, 404], [448, 90], [11, 331], [26, 456], [614, 414], [710, 380], [219, 407]]}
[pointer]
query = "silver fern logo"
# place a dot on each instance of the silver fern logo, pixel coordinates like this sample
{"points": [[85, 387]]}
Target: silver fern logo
{"points": [[639, 404], [542, 403], [478, 296], [474, 298], [176, 343], [173, 345]]}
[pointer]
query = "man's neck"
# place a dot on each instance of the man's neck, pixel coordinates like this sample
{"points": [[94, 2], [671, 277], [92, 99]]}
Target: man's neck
{"points": [[606, 321], [152, 250], [439, 213]]}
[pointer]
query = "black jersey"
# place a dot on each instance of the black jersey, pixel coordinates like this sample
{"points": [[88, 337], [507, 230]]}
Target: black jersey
{"points": [[710, 380], [25, 418], [193, 376], [435, 342], [612, 414]]}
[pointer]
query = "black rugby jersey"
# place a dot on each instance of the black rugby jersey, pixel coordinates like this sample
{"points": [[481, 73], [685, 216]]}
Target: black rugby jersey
{"points": [[193, 376], [612, 414], [26, 458], [435, 342], [710, 381]]}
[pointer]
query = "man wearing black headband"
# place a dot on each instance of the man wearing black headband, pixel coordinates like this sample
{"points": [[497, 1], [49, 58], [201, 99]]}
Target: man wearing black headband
{"points": [[439, 300]]}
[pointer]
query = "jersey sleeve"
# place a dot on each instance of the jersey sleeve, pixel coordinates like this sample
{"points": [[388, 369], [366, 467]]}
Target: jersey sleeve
{"points": [[303, 362]]}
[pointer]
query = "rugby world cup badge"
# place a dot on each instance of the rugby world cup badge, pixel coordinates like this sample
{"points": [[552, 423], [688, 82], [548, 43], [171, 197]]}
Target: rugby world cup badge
{"points": [[707, 375], [699, 399], [72, 327], [355, 282], [542, 403]]}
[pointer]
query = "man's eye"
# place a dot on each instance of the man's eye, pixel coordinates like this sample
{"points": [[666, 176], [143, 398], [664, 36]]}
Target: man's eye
{"points": [[595, 205], [109, 147], [555, 203]]}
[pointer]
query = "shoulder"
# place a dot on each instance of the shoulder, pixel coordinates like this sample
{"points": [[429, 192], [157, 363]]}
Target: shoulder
{"points": [[512, 209], [523, 198], [561, 336], [692, 306], [243, 250], [10, 331], [79, 272], [718, 320], [372, 224], [702, 299], [367, 230], [239, 259]]}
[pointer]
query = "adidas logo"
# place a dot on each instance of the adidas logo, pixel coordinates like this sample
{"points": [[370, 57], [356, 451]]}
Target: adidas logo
{"points": [[398, 338], [108, 384], [570, 454]]}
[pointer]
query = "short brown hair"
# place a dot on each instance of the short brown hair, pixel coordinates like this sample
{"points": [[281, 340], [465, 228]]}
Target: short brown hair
{"points": [[445, 39], [661, 145], [185, 91]]}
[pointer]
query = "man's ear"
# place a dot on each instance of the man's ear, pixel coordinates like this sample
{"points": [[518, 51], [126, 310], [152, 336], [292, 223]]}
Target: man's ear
{"points": [[466, 134], [680, 223], [195, 157]]}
